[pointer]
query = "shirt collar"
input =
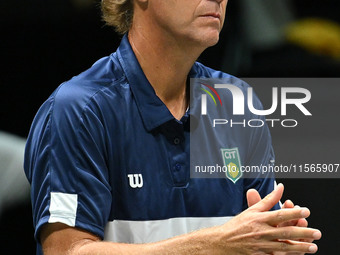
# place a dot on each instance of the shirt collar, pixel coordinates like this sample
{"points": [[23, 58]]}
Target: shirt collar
{"points": [[153, 111]]}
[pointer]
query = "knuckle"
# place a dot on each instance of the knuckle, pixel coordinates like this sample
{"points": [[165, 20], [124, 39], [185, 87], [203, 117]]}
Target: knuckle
{"points": [[263, 218], [280, 215], [255, 249], [286, 234], [255, 230], [257, 227], [284, 246]]}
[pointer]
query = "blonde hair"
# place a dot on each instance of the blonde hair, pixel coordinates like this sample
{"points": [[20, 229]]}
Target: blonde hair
{"points": [[118, 13]]}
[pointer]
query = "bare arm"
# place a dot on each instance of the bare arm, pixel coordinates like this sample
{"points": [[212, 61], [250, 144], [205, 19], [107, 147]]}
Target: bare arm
{"points": [[58, 238], [254, 231]]}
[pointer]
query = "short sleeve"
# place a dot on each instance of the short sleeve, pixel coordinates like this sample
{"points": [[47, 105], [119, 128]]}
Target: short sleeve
{"points": [[65, 162], [260, 153]]}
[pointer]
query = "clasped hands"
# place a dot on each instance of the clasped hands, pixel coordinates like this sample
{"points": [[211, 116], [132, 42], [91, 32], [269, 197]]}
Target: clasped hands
{"points": [[260, 231]]}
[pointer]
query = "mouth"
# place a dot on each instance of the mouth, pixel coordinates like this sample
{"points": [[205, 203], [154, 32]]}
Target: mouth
{"points": [[214, 15]]}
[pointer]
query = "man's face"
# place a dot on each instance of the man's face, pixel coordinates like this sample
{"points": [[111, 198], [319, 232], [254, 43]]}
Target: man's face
{"points": [[189, 21]]}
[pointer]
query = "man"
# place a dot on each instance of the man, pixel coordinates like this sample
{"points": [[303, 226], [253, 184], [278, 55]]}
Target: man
{"points": [[109, 149]]}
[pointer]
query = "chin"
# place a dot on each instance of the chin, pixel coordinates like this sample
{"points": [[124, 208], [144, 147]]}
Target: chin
{"points": [[210, 39], [213, 41], [204, 39]]}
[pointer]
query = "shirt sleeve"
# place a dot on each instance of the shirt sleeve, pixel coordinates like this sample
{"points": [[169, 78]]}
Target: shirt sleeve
{"points": [[260, 154], [65, 161]]}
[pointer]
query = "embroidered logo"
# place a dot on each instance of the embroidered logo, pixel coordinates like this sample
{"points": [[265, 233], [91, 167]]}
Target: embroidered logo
{"points": [[232, 162], [135, 180]]}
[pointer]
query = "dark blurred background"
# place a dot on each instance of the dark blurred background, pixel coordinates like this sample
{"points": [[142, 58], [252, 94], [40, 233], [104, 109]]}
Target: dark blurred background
{"points": [[44, 43]]}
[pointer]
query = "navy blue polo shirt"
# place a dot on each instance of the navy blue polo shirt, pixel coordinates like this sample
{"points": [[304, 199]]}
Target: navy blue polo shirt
{"points": [[104, 154]]}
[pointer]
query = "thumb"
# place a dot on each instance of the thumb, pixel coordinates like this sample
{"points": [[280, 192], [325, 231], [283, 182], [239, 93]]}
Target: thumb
{"points": [[253, 197], [270, 200]]}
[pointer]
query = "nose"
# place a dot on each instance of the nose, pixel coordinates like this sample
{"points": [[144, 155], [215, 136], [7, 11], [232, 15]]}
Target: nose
{"points": [[219, 1]]}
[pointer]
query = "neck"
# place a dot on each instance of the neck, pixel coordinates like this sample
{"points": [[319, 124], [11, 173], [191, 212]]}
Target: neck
{"points": [[166, 64]]}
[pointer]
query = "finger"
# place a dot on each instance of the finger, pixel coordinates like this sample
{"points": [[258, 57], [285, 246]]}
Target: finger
{"points": [[288, 253], [305, 240], [299, 223], [253, 197], [302, 223], [292, 233], [288, 204], [288, 223], [294, 247], [270, 200], [278, 217]]}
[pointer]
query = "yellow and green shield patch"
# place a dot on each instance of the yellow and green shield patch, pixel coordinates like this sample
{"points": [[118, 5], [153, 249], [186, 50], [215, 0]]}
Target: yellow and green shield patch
{"points": [[232, 163]]}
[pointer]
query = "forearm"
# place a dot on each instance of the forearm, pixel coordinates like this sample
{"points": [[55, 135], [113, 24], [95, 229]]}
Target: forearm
{"points": [[253, 231], [198, 242]]}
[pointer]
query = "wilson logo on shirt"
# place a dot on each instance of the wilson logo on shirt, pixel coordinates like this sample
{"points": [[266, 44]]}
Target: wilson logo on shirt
{"points": [[232, 162], [135, 180]]}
